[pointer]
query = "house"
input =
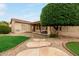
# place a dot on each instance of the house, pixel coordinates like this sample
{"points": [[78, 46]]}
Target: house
{"points": [[20, 26]]}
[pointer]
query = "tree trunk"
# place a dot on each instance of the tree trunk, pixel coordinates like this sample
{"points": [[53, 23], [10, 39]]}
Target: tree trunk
{"points": [[56, 30]]}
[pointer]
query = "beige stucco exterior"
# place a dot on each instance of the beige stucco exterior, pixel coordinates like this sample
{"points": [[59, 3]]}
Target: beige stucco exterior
{"points": [[70, 31], [20, 27]]}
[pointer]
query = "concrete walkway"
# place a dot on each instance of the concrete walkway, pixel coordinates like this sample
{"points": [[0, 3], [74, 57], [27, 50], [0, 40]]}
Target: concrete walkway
{"points": [[44, 51], [41, 47], [38, 44], [56, 43]]}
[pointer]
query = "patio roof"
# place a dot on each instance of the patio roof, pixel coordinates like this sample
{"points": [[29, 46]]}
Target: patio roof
{"points": [[20, 21], [23, 21], [37, 22]]}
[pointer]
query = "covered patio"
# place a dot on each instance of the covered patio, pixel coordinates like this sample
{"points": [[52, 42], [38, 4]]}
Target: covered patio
{"points": [[38, 28]]}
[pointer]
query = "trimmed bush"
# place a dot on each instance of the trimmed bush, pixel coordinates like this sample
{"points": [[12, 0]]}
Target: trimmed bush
{"points": [[4, 29]]}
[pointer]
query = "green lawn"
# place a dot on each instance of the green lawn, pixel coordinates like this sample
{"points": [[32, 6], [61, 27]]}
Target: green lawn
{"points": [[8, 42], [73, 47]]}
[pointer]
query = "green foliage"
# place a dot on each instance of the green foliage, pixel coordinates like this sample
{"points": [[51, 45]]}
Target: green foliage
{"points": [[4, 29], [53, 35], [4, 23], [8, 42], [63, 14], [73, 47]]}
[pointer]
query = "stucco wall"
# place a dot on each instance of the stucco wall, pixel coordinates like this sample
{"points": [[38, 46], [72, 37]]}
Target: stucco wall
{"points": [[12, 26], [20, 27], [72, 31]]}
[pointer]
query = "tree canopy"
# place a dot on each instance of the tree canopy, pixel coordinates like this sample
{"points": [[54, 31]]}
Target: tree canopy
{"points": [[63, 14], [4, 23], [4, 27]]}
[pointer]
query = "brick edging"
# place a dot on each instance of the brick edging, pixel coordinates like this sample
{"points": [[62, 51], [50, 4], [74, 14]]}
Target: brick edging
{"points": [[64, 45]]}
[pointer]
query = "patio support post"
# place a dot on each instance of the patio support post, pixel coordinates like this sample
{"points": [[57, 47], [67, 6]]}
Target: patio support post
{"points": [[39, 28], [48, 30]]}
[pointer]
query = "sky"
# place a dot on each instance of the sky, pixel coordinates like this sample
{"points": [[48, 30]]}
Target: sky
{"points": [[24, 11]]}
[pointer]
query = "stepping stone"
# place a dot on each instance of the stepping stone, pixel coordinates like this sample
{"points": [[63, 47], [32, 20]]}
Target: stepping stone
{"points": [[44, 51], [38, 44], [39, 40]]}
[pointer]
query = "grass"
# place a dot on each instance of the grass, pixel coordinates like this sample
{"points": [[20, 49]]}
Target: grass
{"points": [[8, 42], [73, 47]]}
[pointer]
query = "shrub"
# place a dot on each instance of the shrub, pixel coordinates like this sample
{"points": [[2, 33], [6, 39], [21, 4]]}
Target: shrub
{"points": [[53, 36], [4, 29]]}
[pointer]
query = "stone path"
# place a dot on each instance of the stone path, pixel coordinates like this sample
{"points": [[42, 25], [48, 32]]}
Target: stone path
{"points": [[37, 49], [56, 43], [44, 51], [38, 44]]}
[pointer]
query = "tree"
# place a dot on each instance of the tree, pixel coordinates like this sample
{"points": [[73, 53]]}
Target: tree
{"points": [[4, 27], [60, 14], [4, 23]]}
